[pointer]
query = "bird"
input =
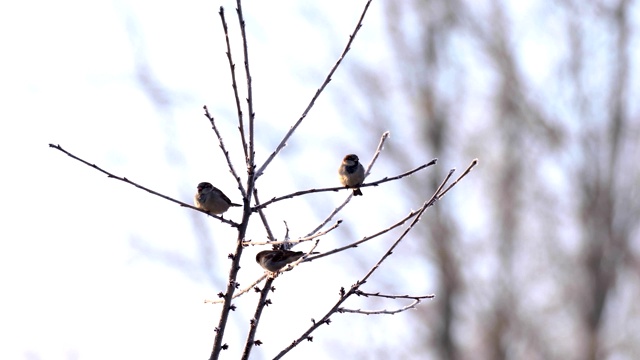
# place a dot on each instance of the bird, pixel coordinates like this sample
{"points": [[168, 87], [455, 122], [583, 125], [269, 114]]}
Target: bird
{"points": [[274, 260], [351, 173], [210, 199]]}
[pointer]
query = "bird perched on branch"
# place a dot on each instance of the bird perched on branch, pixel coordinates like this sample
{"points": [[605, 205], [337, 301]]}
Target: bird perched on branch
{"points": [[351, 173], [210, 199], [274, 260]]}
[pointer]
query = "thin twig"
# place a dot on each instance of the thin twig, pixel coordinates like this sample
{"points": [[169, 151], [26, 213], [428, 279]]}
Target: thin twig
{"points": [[286, 137], [338, 188], [366, 238], [474, 162], [225, 152], [297, 241], [387, 296], [297, 262], [241, 292], [234, 85], [124, 179], [424, 207], [417, 299]]}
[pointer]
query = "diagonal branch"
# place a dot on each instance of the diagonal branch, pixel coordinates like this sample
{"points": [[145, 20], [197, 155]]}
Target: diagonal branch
{"points": [[366, 238], [355, 288], [262, 302], [283, 143], [263, 217], [474, 162], [225, 152], [124, 179]]}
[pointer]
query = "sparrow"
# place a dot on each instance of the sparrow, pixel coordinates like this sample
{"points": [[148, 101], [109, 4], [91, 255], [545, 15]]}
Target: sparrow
{"points": [[351, 173], [274, 260], [210, 199]]}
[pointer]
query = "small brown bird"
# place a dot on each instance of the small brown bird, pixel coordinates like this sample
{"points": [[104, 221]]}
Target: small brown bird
{"points": [[274, 260], [211, 199], [351, 173]]}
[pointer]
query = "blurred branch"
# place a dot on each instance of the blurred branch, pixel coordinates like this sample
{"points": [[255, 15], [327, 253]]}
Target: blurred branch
{"points": [[124, 179]]}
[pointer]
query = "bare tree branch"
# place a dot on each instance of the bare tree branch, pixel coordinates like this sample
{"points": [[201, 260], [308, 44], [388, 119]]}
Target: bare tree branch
{"points": [[283, 143], [262, 302], [355, 288], [124, 179], [416, 300], [297, 241], [245, 48], [225, 152], [234, 85], [338, 188]]}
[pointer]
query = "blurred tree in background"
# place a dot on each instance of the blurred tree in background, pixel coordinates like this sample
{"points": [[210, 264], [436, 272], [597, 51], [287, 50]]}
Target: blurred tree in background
{"points": [[541, 261]]}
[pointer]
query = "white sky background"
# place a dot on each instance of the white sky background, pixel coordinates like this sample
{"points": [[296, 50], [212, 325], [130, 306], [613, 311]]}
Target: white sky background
{"points": [[73, 287]]}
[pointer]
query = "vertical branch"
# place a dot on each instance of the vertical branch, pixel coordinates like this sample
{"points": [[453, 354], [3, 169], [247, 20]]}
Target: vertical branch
{"points": [[250, 162], [251, 158], [234, 84]]}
